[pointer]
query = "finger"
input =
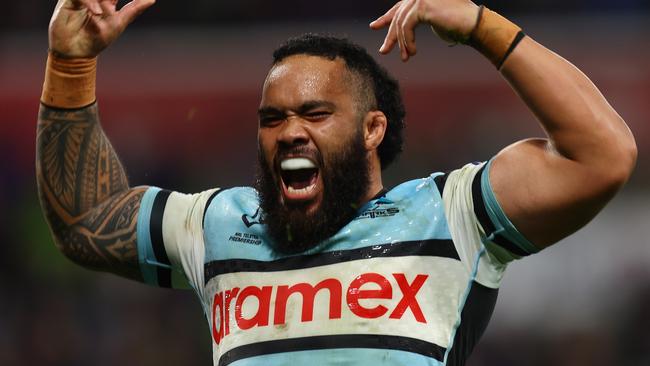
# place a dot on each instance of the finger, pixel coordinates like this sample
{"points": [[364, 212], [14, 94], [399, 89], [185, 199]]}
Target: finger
{"points": [[408, 31], [130, 11], [390, 39], [91, 5], [400, 19], [385, 19], [398, 32], [108, 7]]}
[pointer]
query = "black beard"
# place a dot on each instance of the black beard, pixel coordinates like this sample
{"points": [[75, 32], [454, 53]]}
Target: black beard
{"points": [[345, 179]]}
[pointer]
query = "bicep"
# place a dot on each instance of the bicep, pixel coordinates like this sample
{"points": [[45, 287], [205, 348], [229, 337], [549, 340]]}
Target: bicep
{"points": [[546, 195], [146, 234], [104, 238]]}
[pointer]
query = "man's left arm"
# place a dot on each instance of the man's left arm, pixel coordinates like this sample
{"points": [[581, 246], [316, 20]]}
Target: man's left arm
{"points": [[548, 188], [552, 187]]}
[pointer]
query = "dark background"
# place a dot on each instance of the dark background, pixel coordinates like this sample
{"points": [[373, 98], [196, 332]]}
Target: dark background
{"points": [[30, 14], [178, 94]]}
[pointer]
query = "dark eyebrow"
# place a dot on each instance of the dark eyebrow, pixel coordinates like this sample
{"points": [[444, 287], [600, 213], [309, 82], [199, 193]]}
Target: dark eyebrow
{"points": [[303, 108], [265, 111]]}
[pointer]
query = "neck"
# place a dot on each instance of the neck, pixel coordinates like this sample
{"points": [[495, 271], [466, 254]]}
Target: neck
{"points": [[375, 183]]}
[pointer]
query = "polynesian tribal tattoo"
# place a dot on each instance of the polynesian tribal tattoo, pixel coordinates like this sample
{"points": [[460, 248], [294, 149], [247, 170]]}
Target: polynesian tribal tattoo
{"points": [[84, 192]]}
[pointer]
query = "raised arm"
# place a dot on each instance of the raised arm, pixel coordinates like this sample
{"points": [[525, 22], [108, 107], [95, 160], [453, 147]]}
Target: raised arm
{"points": [[551, 187], [82, 185]]}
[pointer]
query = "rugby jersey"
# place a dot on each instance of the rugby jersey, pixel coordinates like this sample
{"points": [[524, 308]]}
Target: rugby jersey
{"points": [[411, 280]]}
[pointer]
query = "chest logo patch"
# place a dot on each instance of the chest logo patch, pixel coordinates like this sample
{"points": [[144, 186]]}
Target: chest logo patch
{"points": [[271, 301], [382, 208], [256, 219]]}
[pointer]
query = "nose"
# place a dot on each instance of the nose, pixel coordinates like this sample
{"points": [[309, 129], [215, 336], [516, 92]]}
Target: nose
{"points": [[293, 132]]}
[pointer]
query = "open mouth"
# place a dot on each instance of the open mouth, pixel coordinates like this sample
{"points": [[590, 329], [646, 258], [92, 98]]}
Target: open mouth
{"points": [[299, 178]]}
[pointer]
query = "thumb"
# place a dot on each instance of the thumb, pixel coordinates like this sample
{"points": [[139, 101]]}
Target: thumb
{"points": [[130, 11]]}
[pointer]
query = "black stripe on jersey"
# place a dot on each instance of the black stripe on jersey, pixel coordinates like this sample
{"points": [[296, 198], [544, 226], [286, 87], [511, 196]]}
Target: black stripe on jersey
{"points": [[481, 214], [440, 181], [431, 248], [479, 204], [157, 241], [332, 342], [503, 242], [474, 319], [207, 204]]}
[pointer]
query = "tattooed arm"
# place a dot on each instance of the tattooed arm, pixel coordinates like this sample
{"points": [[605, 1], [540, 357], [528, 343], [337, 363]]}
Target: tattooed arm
{"points": [[84, 192], [82, 185]]}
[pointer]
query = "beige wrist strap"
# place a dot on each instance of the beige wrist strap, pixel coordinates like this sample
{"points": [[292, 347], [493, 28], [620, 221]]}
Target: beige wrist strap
{"points": [[69, 83], [494, 36]]}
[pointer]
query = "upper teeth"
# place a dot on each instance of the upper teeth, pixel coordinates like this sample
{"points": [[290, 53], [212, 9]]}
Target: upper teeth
{"points": [[296, 163]]}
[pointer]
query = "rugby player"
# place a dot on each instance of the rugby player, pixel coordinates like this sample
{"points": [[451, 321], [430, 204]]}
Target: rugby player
{"points": [[319, 263]]}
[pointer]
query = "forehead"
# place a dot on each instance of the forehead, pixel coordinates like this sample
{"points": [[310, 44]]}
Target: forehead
{"points": [[304, 77]]}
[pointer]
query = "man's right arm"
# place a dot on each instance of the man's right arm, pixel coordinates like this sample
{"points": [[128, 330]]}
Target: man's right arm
{"points": [[84, 192], [82, 185]]}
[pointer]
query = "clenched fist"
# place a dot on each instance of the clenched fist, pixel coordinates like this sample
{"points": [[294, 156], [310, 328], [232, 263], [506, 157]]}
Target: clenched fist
{"points": [[83, 28]]}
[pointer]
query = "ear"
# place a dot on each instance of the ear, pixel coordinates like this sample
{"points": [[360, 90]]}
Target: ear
{"points": [[374, 128]]}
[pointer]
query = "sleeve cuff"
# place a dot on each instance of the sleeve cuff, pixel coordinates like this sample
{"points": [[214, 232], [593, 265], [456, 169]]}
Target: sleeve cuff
{"points": [[154, 264], [500, 232]]}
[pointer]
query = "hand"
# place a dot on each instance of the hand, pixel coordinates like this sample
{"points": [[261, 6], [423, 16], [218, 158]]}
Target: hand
{"points": [[83, 28], [451, 20]]}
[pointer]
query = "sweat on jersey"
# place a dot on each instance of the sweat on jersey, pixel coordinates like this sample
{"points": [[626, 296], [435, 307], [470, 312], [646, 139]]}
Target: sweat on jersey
{"points": [[412, 280]]}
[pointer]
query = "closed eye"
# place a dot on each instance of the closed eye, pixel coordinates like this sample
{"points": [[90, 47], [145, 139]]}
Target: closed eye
{"points": [[270, 121], [316, 116], [316, 110]]}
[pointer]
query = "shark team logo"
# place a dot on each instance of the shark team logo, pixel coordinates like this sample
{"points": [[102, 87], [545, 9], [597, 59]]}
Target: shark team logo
{"points": [[256, 219]]}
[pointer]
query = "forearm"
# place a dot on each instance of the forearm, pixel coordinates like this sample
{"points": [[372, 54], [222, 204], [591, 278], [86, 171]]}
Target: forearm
{"points": [[564, 180], [83, 187], [581, 125], [76, 164]]}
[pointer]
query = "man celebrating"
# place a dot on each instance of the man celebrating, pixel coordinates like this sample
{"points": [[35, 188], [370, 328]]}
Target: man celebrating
{"points": [[320, 263]]}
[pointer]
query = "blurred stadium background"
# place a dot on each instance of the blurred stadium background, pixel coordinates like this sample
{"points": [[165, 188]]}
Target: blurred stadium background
{"points": [[178, 94]]}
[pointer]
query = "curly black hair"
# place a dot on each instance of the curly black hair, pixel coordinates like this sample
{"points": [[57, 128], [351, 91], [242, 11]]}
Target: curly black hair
{"points": [[387, 96]]}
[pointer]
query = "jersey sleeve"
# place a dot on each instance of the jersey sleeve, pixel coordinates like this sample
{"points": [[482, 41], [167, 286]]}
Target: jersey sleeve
{"points": [[170, 242], [502, 239], [485, 238]]}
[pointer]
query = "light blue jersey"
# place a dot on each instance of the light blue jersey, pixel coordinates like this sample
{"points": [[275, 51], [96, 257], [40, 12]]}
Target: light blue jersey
{"points": [[412, 280]]}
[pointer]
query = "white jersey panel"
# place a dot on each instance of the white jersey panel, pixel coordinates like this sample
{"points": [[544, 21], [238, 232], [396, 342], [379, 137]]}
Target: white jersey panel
{"points": [[182, 228], [377, 296], [465, 229]]}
